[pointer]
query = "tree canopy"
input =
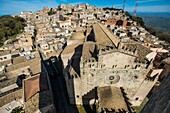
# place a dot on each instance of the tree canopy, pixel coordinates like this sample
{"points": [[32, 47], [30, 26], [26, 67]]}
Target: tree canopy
{"points": [[17, 110], [10, 26], [51, 12]]}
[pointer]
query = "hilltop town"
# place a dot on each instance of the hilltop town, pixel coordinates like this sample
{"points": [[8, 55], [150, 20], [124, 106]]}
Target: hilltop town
{"points": [[83, 58]]}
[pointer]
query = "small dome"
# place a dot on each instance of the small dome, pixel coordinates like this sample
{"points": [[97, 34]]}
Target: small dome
{"points": [[77, 36]]}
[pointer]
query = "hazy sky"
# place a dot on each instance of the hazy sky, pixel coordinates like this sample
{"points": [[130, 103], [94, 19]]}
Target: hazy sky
{"points": [[16, 6]]}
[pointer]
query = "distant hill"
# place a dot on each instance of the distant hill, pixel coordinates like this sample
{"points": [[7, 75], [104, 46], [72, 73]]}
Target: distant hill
{"points": [[158, 21], [152, 29], [10, 26]]}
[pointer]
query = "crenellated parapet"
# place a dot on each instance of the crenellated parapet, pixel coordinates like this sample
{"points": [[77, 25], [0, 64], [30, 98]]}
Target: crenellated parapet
{"points": [[91, 62], [125, 49], [106, 49]]}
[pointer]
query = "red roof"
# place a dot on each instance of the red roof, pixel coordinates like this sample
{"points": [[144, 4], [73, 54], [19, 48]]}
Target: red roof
{"points": [[35, 85]]}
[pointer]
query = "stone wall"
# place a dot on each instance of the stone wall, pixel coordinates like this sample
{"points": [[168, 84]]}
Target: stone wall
{"points": [[116, 60], [112, 69], [19, 71], [10, 97], [113, 21], [129, 79], [39, 101], [159, 102]]}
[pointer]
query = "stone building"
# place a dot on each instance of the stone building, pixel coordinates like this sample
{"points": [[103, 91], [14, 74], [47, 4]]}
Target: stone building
{"points": [[25, 42], [6, 55], [103, 60], [16, 70], [49, 45], [117, 22]]}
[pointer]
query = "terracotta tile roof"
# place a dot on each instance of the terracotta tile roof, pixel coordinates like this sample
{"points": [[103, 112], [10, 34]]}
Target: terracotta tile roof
{"points": [[71, 48], [5, 52], [104, 36], [5, 62], [141, 51], [111, 97], [100, 36], [31, 63], [78, 36], [18, 60], [35, 85], [15, 52], [115, 40], [8, 82], [88, 50]]}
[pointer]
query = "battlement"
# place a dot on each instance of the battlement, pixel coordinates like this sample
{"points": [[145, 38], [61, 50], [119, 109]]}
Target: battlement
{"points": [[106, 50], [125, 49], [99, 65], [92, 62], [121, 48]]}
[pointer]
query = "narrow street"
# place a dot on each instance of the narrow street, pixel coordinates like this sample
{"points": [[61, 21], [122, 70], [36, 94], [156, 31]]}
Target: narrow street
{"points": [[58, 85]]}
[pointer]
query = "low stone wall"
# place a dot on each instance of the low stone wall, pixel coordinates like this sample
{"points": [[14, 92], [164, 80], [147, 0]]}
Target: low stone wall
{"points": [[10, 97], [39, 101]]}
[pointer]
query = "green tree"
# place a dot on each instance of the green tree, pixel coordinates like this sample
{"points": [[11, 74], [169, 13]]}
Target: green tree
{"points": [[17, 110], [10, 26], [51, 12]]}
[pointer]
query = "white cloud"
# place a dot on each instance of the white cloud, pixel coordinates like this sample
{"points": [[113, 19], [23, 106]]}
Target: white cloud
{"points": [[160, 8], [120, 6], [143, 1]]}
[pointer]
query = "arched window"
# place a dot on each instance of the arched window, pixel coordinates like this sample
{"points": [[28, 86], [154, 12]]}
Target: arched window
{"points": [[119, 23]]}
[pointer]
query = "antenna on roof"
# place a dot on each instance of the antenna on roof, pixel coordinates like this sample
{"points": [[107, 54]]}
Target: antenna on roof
{"points": [[124, 3], [135, 10]]}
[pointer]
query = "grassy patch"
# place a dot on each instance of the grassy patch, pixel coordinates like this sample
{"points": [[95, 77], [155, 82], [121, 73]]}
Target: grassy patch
{"points": [[13, 37], [81, 109], [1, 44], [86, 109]]}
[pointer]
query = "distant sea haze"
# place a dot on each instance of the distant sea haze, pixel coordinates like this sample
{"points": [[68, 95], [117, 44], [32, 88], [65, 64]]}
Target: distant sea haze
{"points": [[158, 21]]}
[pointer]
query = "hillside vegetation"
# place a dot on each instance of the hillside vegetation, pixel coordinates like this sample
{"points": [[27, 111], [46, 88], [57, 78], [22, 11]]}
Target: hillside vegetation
{"points": [[161, 35], [10, 26], [51, 12]]}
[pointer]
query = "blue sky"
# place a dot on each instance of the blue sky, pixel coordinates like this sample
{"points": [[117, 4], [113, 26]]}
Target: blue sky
{"points": [[16, 6]]}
